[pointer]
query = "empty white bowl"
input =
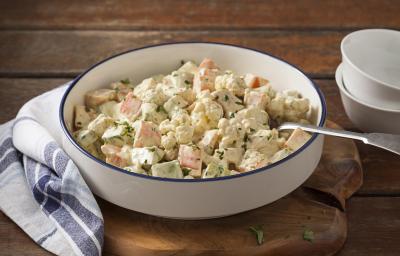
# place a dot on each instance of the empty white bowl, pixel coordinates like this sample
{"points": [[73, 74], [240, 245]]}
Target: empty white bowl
{"points": [[365, 116], [371, 66], [196, 198]]}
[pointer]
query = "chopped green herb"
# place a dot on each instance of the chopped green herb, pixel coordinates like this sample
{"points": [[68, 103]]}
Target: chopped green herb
{"points": [[145, 161], [78, 123], [116, 89], [259, 233], [226, 97], [186, 171], [308, 235], [175, 75], [161, 109], [187, 82], [234, 142], [220, 169], [252, 130], [216, 97], [152, 149], [232, 115], [239, 103], [220, 153], [182, 62], [125, 81]]}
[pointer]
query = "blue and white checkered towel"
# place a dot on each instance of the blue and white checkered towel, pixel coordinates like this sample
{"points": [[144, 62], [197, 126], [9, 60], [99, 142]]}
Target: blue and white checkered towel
{"points": [[41, 189]]}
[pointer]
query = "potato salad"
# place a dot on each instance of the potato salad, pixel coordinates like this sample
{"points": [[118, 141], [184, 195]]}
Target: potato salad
{"points": [[197, 122]]}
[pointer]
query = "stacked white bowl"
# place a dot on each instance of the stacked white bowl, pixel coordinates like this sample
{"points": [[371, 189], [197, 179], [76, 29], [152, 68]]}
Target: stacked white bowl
{"points": [[369, 79]]}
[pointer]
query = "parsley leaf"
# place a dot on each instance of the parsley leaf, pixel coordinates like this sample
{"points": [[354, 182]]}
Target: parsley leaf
{"points": [[186, 171], [308, 235], [125, 81], [226, 97], [259, 233]]}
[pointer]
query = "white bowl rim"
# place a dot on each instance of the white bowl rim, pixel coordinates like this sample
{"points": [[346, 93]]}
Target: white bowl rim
{"points": [[342, 49], [265, 168], [342, 88]]}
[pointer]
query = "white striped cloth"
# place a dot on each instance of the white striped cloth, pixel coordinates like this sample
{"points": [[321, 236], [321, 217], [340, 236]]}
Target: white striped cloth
{"points": [[41, 189]]}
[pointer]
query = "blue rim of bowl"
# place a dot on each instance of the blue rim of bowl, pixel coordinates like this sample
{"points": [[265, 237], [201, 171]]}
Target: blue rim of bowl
{"points": [[255, 171]]}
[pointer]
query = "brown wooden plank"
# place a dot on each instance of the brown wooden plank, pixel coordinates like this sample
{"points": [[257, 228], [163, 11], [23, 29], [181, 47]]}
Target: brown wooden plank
{"points": [[13, 241], [381, 168], [210, 14], [63, 53], [373, 227], [15, 92]]}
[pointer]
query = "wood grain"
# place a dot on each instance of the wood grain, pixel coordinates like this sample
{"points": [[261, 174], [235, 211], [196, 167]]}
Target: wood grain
{"points": [[13, 241], [15, 92], [339, 172], [67, 53], [374, 227], [210, 14], [130, 233]]}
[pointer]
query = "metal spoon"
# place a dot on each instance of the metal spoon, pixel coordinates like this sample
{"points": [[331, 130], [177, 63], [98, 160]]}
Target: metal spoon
{"points": [[390, 142]]}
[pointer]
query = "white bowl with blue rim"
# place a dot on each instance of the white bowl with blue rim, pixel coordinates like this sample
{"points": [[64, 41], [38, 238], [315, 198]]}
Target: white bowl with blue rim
{"points": [[193, 198], [371, 66]]}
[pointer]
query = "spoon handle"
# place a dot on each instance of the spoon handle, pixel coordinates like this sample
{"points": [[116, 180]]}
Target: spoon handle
{"points": [[390, 142]]}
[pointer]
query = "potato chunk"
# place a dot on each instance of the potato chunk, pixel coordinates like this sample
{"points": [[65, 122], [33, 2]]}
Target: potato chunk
{"points": [[97, 97]]}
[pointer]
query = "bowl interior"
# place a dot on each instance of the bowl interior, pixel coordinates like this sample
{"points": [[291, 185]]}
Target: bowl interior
{"points": [[375, 52], [162, 59]]}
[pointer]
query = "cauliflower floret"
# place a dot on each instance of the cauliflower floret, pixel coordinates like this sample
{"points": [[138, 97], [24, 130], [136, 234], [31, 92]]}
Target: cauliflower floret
{"points": [[148, 91], [100, 124], [230, 81], [229, 102], [178, 117], [154, 113], [266, 142], [175, 102], [232, 133], [288, 106], [184, 134], [168, 141], [144, 86], [252, 159], [253, 119], [205, 115]]}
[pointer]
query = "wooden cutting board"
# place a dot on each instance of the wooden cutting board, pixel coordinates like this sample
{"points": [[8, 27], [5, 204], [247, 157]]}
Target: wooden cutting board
{"points": [[317, 206]]}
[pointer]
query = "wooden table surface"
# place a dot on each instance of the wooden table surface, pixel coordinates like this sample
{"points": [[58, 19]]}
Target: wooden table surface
{"points": [[46, 43]]}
